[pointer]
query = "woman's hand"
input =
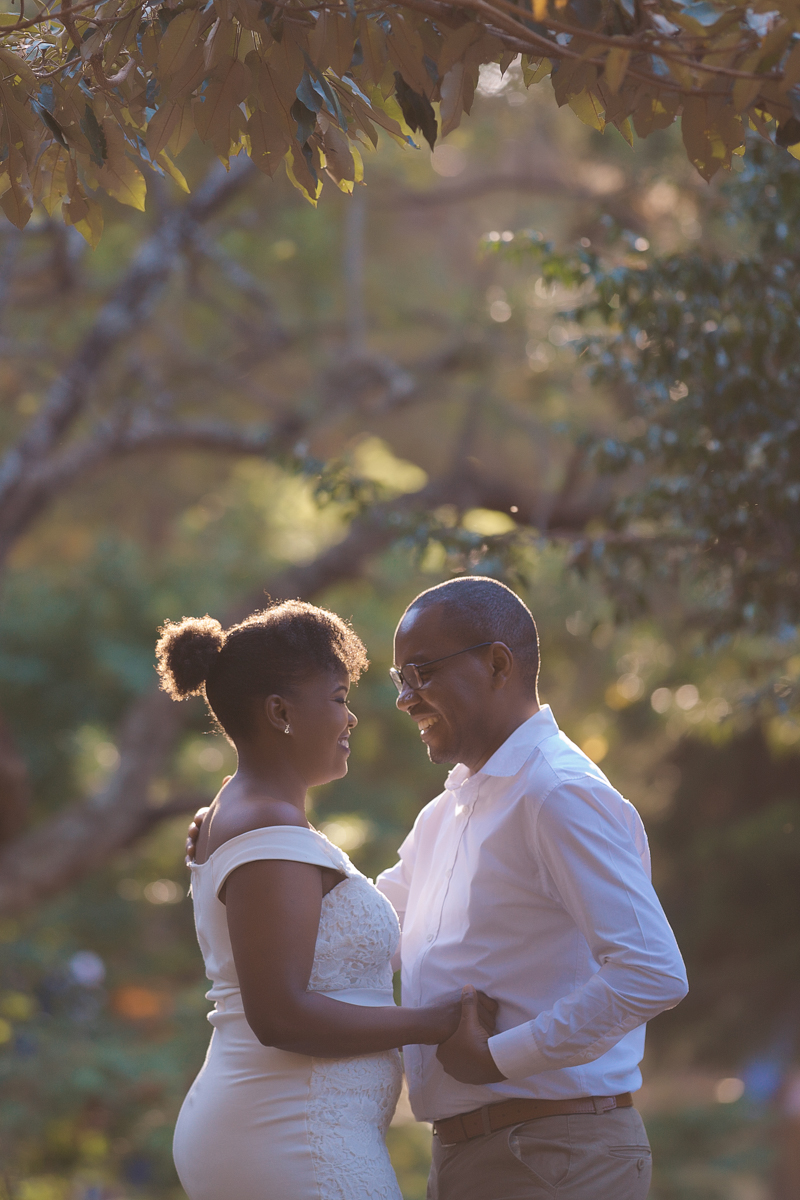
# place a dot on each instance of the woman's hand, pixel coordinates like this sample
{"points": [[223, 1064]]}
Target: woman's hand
{"points": [[450, 1014], [466, 1055], [193, 833]]}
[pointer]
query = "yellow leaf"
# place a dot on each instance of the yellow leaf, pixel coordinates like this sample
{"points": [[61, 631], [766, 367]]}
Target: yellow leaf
{"points": [[794, 150], [533, 72], [627, 132], [312, 191], [358, 162], [587, 108], [617, 61], [90, 227], [5, 183], [539, 9], [166, 162], [123, 180]]}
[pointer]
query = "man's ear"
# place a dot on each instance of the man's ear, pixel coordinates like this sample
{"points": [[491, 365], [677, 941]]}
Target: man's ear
{"points": [[274, 708], [502, 662]]}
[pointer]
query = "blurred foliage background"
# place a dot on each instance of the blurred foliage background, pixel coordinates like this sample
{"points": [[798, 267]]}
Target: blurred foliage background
{"points": [[414, 337]]}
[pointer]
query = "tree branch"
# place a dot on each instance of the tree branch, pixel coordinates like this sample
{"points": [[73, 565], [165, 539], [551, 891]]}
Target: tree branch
{"points": [[124, 312]]}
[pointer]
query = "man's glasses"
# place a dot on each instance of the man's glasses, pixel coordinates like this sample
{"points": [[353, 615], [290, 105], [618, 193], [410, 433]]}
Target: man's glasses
{"points": [[410, 675]]}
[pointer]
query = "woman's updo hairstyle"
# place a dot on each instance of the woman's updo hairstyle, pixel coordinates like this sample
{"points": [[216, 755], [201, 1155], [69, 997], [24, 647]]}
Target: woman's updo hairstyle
{"points": [[263, 656]]}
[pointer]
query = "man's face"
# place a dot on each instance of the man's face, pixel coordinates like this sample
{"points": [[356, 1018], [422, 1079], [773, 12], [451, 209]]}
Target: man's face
{"points": [[453, 709]]}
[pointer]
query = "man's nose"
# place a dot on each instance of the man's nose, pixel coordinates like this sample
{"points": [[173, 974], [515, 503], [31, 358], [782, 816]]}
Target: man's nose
{"points": [[405, 698]]}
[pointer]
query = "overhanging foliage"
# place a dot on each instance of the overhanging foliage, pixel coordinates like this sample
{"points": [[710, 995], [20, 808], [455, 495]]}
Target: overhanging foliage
{"points": [[94, 93]]}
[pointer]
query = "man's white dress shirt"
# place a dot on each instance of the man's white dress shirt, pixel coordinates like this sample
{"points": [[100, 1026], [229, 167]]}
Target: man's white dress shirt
{"points": [[531, 880]]}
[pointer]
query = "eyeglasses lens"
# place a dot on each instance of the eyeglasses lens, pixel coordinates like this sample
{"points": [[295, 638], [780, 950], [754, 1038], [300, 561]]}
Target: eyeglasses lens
{"points": [[408, 677]]}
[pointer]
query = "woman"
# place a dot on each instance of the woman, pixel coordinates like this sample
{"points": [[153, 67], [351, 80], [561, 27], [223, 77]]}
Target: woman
{"points": [[303, 1073]]}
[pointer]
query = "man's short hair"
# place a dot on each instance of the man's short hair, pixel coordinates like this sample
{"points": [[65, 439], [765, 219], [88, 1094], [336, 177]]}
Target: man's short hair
{"points": [[485, 610]]}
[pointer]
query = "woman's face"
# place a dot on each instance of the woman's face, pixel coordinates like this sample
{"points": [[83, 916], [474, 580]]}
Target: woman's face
{"points": [[320, 724]]}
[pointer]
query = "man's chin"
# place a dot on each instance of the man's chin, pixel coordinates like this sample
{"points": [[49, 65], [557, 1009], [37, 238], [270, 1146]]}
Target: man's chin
{"points": [[441, 755]]}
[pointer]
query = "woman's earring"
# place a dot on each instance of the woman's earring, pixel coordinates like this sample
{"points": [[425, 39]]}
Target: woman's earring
{"points": [[287, 729]]}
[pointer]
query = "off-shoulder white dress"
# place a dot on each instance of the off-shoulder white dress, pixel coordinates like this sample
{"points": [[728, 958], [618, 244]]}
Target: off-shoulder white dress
{"points": [[263, 1124]]}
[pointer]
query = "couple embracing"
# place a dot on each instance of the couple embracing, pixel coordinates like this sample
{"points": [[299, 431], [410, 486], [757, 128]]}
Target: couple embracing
{"points": [[533, 947]]}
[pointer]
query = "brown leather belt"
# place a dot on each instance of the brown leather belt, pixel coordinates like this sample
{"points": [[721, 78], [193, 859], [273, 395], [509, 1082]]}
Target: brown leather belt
{"points": [[491, 1117]]}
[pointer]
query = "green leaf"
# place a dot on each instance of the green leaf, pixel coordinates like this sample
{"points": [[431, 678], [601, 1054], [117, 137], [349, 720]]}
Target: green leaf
{"points": [[98, 147]]}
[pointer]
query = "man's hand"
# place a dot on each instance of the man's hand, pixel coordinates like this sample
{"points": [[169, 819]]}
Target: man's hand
{"points": [[466, 1054], [193, 833]]}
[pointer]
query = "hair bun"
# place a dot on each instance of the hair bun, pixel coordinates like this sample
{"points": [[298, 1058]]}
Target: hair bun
{"points": [[185, 653]]}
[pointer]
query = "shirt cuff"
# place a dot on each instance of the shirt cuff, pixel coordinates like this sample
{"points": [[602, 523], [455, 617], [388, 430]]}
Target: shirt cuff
{"points": [[515, 1052]]}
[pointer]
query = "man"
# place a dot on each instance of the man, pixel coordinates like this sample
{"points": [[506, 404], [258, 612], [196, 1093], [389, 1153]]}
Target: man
{"points": [[528, 875]]}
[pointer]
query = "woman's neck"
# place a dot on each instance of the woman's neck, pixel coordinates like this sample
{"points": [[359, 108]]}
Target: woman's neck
{"points": [[260, 770]]}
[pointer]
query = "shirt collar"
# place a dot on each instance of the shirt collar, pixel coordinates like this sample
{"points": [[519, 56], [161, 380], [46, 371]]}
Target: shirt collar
{"points": [[515, 751]]}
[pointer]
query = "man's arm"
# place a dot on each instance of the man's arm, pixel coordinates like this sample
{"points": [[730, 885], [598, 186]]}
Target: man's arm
{"points": [[596, 872]]}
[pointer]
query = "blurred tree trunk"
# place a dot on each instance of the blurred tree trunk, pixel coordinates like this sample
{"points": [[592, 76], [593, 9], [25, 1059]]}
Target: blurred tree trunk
{"points": [[14, 788]]}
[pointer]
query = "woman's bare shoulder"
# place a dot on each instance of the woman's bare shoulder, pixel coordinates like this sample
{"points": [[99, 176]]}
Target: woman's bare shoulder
{"points": [[244, 815]]}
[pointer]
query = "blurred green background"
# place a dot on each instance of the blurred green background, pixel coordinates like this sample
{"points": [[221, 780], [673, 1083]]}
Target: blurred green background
{"points": [[102, 1010]]}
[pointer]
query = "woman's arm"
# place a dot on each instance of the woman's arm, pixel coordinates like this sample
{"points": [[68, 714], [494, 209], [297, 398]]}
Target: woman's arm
{"points": [[273, 912]]}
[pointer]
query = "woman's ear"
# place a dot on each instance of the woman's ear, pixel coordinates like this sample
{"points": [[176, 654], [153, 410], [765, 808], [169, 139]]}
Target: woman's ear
{"points": [[276, 712]]}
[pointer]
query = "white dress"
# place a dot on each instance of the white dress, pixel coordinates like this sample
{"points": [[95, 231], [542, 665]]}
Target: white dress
{"points": [[264, 1124]]}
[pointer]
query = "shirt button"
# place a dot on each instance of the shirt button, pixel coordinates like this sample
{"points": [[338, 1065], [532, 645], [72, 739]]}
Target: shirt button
{"points": [[429, 938], [448, 874]]}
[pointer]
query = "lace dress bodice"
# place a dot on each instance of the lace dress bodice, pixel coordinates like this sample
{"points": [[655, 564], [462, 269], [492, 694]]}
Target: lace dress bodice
{"points": [[358, 934]]}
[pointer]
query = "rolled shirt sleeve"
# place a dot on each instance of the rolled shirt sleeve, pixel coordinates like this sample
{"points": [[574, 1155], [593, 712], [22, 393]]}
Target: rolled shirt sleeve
{"points": [[594, 868]]}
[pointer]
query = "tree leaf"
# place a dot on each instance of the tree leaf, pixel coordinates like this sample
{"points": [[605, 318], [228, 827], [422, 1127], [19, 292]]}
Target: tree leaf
{"points": [[269, 140], [122, 179], [373, 45], [224, 93], [177, 43], [332, 41], [166, 162], [90, 227], [339, 161], [532, 72], [417, 110], [17, 200], [302, 175], [587, 108], [95, 136], [53, 167], [616, 68], [407, 53]]}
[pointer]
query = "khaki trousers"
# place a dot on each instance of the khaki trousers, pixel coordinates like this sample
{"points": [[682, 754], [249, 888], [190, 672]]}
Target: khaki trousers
{"points": [[603, 1156]]}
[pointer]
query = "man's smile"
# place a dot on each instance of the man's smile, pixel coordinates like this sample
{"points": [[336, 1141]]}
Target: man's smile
{"points": [[425, 722]]}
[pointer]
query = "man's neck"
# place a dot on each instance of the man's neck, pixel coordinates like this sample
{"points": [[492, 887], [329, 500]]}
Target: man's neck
{"points": [[502, 734]]}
